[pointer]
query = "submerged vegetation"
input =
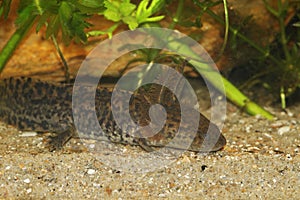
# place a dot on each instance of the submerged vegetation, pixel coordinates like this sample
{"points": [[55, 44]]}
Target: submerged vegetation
{"points": [[276, 65], [279, 62]]}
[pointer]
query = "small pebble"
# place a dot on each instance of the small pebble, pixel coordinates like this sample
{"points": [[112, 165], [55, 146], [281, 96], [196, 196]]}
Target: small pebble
{"points": [[27, 180], [91, 171], [277, 124], [96, 185], [28, 134], [283, 130]]}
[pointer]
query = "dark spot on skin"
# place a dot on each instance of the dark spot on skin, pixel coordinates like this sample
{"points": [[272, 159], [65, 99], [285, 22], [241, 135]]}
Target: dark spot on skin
{"points": [[26, 84], [20, 125], [15, 95], [203, 167], [44, 124], [35, 114], [14, 118], [29, 80], [39, 91], [50, 90], [48, 116], [18, 82], [9, 121], [60, 92]]}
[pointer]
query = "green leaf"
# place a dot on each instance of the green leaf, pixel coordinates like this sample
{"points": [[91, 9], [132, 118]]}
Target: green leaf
{"points": [[112, 15], [117, 11], [77, 27], [112, 12], [48, 7], [144, 11], [24, 15], [65, 15], [125, 11], [153, 19], [297, 24], [131, 21], [108, 31], [90, 6], [126, 8], [42, 21], [1, 11], [5, 6], [91, 3], [53, 26]]}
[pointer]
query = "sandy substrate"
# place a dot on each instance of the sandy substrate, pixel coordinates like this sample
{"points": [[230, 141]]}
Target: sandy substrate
{"points": [[260, 161]]}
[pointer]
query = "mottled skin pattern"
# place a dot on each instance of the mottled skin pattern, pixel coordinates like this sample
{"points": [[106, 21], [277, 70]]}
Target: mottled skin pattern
{"points": [[40, 106]]}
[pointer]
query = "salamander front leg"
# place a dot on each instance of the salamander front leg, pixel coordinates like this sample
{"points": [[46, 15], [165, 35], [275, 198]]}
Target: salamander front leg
{"points": [[60, 139]]}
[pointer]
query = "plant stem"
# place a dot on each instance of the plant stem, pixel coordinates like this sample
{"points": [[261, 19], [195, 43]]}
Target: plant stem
{"points": [[226, 31], [224, 86], [65, 65], [231, 92], [206, 71], [235, 32], [176, 18], [281, 16], [14, 41]]}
